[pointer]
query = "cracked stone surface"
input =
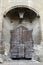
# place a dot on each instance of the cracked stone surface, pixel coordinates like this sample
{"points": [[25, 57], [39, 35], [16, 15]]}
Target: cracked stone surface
{"points": [[21, 62]]}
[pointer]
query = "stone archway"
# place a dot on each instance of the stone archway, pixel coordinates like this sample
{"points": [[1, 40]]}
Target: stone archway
{"points": [[20, 15]]}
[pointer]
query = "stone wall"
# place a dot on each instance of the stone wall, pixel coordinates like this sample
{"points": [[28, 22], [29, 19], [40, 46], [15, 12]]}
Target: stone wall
{"points": [[6, 5]]}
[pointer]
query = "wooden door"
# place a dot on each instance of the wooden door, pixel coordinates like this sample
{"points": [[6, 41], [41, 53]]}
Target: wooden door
{"points": [[21, 45]]}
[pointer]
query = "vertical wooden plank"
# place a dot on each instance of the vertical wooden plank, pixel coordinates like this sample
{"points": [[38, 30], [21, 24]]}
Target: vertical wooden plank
{"points": [[21, 43]]}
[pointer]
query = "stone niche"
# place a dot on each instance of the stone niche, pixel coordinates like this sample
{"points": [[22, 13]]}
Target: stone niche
{"points": [[21, 19]]}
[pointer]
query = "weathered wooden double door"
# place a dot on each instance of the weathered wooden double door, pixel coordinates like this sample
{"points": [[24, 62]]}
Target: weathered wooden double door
{"points": [[21, 45]]}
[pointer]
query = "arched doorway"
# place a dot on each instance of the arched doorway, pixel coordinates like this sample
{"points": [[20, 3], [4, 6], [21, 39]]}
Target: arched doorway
{"points": [[21, 46], [13, 19]]}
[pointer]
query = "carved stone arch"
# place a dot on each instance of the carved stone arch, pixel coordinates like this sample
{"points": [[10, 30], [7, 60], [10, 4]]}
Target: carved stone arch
{"points": [[10, 8]]}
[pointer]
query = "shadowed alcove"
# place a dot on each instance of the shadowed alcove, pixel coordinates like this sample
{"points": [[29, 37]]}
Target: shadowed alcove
{"points": [[22, 28]]}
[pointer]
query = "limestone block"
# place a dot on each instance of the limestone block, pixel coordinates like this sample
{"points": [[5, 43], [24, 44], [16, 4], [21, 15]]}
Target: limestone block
{"points": [[38, 53], [1, 59], [36, 32]]}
